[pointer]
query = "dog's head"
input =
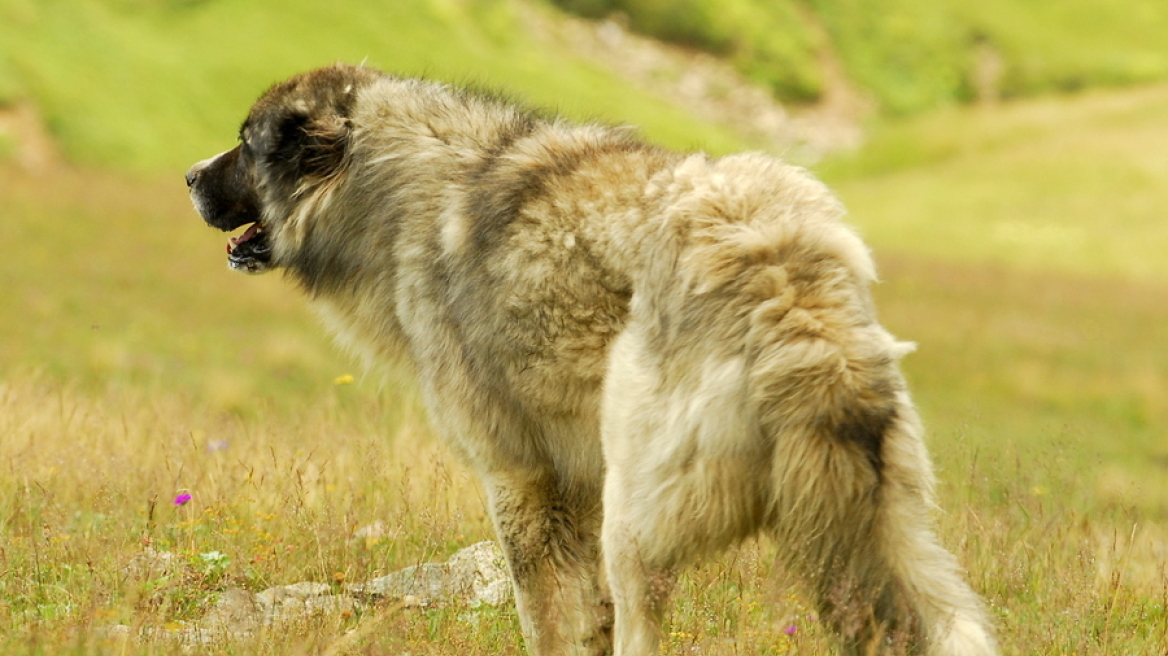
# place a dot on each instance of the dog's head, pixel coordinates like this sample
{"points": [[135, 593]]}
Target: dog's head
{"points": [[294, 139]]}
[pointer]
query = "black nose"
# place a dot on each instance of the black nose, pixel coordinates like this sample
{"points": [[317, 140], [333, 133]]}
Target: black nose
{"points": [[192, 175]]}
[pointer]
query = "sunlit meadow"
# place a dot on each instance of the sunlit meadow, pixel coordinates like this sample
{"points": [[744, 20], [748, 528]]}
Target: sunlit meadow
{"points": [[150, 400]]}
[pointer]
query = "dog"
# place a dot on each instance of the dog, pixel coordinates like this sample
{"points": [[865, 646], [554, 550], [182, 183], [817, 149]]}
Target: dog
{"points": [[646, 356]]}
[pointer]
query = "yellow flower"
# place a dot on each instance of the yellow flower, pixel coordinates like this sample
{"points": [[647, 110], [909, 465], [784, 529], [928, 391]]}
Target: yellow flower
{"points": [[346, 379]]}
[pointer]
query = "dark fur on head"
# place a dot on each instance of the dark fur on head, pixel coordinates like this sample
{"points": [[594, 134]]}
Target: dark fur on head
{"points": [[295, 137], [298, 130]]}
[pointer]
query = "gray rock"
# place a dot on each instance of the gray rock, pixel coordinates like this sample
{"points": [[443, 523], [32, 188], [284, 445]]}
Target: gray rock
{"points": [[418, 585], [302, 590], [483, 567], [236, 611], [289, 603], [152, 563], [372, 533], [474, 575]]}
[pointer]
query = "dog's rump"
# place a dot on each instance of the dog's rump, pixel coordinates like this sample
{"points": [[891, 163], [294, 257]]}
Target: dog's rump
{"points": [[752, 325], [753, 390]]}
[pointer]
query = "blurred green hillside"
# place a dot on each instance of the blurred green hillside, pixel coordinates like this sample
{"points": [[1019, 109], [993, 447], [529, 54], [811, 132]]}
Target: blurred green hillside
{"points": [[915, 54], [149, 84]]}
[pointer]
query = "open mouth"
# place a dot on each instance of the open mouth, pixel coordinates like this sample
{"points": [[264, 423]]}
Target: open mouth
{"points": [[246, 236], [251, 251]]}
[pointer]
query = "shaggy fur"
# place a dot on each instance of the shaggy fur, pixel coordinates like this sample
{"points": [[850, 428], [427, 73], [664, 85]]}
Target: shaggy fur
{"points": [[685, 343]]}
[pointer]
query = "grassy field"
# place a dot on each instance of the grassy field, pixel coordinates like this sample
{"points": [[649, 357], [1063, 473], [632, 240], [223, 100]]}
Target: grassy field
{"points": [[165, 80], [1022, 246], [913, 55], [136, 368]]}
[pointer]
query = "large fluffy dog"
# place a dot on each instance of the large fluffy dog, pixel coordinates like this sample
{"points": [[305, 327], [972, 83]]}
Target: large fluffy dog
{"points": [[645, 356]]}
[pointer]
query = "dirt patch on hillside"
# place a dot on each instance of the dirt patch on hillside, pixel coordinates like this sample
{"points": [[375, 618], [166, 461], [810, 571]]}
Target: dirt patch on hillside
{"points": [[713, 89], [23, 133]]}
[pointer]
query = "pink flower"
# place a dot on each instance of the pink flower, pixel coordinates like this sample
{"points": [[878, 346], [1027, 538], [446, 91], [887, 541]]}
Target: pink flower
{"points": [[182, 499], [790, 630]]}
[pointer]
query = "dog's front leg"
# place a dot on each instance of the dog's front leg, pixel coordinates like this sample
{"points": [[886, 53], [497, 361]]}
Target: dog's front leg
{"points": [[551, 540]]}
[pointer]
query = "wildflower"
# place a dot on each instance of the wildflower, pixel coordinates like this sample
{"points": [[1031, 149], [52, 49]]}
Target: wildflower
{"points": [[790, 630], [346, 379], [182, 499]]}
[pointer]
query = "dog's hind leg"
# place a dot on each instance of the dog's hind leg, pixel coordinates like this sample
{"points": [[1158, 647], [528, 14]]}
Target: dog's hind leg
{"points": [[551, 540], [681, 480], [640, 590]]}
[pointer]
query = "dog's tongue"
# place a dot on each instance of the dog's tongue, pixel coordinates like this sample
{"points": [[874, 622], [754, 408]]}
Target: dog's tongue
{"points": [[247, 234]]}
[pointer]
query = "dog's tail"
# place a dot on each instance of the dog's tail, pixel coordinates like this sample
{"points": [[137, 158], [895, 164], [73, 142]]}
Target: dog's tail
{"points": [[850, 479], [759, 311]]}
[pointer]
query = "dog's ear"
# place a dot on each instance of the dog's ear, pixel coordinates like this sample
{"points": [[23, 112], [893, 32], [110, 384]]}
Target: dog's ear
{"points": [[301, 128], [326, 140], [314, 145]]}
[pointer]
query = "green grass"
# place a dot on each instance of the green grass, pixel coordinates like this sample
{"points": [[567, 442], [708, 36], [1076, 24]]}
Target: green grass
{"points": [[146, 86], [772, 42], [93, 295], [1054, 184], [912, 55]]}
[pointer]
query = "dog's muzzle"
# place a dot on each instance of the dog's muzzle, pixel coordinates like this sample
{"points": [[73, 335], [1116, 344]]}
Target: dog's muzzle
{"points": [[226, 201]]}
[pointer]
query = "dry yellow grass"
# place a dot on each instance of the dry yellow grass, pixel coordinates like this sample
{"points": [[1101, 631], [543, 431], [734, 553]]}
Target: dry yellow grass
{"points": [[90, 483]]}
